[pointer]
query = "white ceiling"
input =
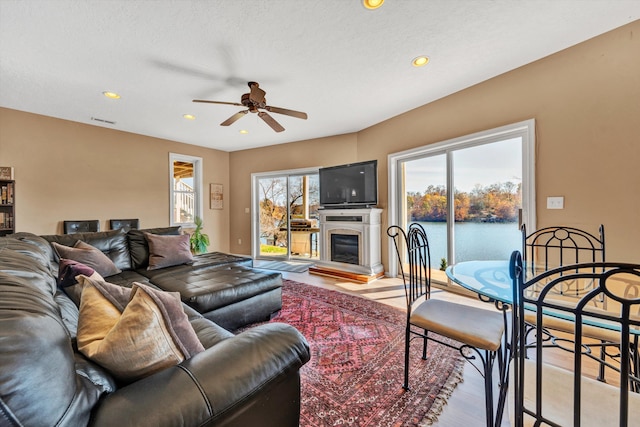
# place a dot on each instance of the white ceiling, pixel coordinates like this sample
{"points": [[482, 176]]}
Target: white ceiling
{"points": [[346, 66]]}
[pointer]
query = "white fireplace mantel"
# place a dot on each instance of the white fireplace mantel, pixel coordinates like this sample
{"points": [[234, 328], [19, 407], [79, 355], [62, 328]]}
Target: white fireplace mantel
{"points": [[364, 223]]}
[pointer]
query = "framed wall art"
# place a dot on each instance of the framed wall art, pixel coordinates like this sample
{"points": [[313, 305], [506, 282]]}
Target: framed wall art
{"points": [[6, 173], [216, 196]]}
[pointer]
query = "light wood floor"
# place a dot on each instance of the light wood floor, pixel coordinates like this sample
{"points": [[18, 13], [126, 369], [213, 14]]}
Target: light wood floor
{"points": [[466, 405]]}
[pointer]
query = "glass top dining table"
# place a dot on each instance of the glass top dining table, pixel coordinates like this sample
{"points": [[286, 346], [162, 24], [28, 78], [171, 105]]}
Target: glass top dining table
{"points": [[489, 279], [492, 282]]}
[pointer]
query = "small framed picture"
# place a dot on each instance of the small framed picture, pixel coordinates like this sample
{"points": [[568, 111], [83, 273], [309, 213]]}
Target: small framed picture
{"points": [[6, 172], [216, 196]]}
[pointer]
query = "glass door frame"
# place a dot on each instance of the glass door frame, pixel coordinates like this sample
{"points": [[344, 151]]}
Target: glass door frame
{"points": [[255, 207], [397, 206]]}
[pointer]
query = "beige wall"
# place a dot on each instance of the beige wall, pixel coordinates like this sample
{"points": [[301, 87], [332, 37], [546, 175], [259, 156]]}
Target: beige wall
{"points": [[66, 170], [586, 103]]}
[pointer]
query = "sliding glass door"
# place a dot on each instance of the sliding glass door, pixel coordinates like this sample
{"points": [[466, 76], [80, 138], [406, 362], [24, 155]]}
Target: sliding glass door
{"points": [[285, 225], [470, 194]]}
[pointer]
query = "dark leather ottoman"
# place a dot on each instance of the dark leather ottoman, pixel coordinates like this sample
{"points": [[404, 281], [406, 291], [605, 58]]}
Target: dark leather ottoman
{"points": [[230, 295]]}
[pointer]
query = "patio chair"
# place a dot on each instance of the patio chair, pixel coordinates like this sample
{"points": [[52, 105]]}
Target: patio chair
{"points": [[558, 246], [543, 392], [476, 333], [83, 226]]}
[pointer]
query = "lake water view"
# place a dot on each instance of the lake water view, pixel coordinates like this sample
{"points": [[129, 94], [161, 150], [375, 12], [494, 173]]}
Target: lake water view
{"points": [[474, 240]]}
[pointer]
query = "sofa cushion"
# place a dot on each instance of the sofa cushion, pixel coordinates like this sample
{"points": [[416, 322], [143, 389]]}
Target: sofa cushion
{"points": [[167, 251], [139, 248], [133, 332], [88, 255], [23, 259], [112, 243], [43, 250], [211, 288]]}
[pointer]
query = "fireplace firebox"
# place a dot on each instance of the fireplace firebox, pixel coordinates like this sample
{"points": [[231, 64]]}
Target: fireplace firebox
{"points": [[344, 248]]}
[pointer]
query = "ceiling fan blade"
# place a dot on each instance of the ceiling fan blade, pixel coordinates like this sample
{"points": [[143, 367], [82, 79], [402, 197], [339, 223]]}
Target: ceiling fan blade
{"points": [[292, 113], [270, 121], [233, 118], [218, 102]]}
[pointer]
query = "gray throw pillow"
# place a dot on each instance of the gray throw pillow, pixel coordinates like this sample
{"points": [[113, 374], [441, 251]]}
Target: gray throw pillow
{"points": [[166, 251], [88, 255]]}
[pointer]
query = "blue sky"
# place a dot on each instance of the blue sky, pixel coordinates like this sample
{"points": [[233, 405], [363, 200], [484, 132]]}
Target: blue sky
{"points": [[484, 165]]}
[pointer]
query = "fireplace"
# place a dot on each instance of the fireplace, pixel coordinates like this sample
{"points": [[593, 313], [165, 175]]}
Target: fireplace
{"points": [[344, 248], [350, 240]]}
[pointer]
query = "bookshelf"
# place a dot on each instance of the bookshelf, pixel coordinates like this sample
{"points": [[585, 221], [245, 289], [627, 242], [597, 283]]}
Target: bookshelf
{"points": [[7, 206]]}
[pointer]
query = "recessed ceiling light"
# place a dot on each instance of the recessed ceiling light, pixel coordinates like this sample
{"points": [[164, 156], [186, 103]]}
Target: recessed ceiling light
{"points": [[372, 4], [111, 95], [189, 116], [244, 131], [420, 61]]}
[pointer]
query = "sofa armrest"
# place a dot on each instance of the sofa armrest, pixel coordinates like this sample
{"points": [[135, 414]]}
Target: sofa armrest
{"points": [[214, 386]]}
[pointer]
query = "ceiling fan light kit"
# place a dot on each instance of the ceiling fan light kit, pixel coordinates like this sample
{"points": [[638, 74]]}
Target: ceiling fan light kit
{"points": [[111, 95], [372, 4], [420, 61], [255, 101]]}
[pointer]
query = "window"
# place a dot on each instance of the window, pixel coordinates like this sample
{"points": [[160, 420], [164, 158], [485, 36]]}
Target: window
{"points": [[469, 193], [285, 206], [185, 187]]}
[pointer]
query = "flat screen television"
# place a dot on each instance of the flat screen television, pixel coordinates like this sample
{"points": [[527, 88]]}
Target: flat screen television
{"points": [[349, 186]]}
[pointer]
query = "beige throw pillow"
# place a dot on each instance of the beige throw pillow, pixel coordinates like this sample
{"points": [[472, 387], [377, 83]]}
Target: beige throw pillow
{"points": [[88, 255], [166, 251], [133, 332]]}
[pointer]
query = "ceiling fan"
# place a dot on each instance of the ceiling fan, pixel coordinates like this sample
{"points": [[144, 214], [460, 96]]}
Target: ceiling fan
{"points": [[255, 101]]}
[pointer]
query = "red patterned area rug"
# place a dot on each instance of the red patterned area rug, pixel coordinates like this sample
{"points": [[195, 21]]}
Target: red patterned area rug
{"points": [[354, 377]]}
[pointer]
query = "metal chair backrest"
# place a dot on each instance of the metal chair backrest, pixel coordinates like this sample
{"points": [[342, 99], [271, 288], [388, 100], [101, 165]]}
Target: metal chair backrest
{"points": [[558, 246], [415, 268], [619, 283]]}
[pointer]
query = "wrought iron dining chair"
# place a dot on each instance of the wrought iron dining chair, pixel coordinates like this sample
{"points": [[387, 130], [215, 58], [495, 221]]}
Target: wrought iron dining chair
{"points": [[544, 393], [475, 332], [557, 246], [83, 226]]}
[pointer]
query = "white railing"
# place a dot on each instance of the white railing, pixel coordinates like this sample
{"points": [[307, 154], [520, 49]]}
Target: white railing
{"points": [[184, 202]]}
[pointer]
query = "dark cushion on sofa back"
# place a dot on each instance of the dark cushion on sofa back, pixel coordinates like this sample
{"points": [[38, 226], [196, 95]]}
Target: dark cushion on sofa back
{"points": [[25, 260], [113, 243], [44, 247], [139, 248]]}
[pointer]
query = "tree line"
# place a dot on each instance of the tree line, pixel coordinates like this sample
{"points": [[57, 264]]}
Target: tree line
{"points": [[492, 203]]}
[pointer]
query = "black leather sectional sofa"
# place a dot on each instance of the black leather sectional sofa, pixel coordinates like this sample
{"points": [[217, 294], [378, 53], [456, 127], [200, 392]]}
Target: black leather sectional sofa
{"points": [[251, 378], [223, 288]]}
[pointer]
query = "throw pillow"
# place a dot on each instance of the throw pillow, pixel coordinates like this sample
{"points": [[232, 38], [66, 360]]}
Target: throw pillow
{"points": [[68, 272], [88, 255], [133, 332], [165, 251]]}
